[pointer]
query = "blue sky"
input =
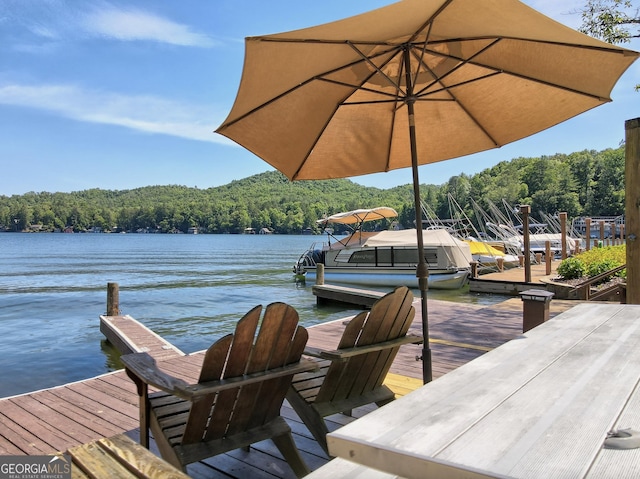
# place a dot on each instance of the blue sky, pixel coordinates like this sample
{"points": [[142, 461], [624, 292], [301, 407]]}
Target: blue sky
{"points": [[122, 94]]}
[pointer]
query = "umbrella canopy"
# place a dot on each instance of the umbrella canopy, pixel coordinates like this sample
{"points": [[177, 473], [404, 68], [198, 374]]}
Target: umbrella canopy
{"points": [[330, 101], [415, 82]]}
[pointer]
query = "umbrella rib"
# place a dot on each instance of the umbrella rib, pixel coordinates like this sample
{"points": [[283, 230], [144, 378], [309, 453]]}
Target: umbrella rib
{"points": [[436, 42], [422, 53], [430, 21], [376, 67], [462, 61]]}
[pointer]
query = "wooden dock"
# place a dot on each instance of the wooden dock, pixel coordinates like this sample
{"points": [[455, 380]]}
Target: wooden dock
{"points": [[129, 336], [511, 281], [56, 419]]}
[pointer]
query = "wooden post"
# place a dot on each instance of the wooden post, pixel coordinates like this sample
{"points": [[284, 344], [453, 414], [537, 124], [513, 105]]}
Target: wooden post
{"points": [[588, 233], [563, 232], [535, 308], [632, 208], [474, 269], [319, 274], [547, 257], [525, 210], [113, 299], [601, 233]]}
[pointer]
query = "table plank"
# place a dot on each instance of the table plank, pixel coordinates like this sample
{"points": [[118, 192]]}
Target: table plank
{"points": [[564, 382], [572, 404], [622, 464]]}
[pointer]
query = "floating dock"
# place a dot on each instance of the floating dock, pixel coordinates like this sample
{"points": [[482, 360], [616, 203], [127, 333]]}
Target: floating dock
{"points": [[326, 293]]}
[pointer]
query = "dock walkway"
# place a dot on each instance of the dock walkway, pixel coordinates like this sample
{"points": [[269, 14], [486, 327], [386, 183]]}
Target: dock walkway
{"points": [[55, 419], [512, 281]]}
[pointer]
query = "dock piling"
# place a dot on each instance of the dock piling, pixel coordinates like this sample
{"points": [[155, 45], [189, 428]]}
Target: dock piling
{"points": [[113, 299]]}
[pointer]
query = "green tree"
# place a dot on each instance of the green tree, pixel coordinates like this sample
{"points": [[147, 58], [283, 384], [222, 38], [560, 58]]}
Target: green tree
{"points": [[608, 184], [614, 21]]}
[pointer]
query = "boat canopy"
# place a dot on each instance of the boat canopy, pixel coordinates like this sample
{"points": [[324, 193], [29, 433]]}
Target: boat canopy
{"points": [[457, 250], [360, 216], [439, 237]]}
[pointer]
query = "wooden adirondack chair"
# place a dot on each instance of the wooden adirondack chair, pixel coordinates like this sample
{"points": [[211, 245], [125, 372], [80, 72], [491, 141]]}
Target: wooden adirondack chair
{"points": [[352, 375], [238, 397]]}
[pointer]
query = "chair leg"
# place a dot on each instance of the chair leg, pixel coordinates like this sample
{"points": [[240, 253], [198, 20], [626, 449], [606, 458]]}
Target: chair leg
{"points": [[288, 449], [162, 442], [314, 422]]}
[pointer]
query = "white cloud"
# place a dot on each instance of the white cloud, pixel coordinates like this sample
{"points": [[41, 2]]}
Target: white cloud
{"points": [[61, 20], [142, 113], [133, 24]]}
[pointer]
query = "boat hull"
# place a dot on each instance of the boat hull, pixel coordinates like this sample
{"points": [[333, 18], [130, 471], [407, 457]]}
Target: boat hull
{"points": [[395, 277]]}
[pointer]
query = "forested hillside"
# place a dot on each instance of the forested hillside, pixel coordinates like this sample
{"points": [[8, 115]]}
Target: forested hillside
{"points": [[582, 183]]}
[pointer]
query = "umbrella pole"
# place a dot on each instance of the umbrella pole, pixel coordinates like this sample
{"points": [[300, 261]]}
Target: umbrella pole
{"points": [[422, 270]]}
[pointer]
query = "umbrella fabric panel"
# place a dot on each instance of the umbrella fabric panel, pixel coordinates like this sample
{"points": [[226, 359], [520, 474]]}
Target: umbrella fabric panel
{"points": [[563, 65]]}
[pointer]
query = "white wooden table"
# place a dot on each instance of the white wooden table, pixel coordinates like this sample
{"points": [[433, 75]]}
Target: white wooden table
{"points": [[539, 406]]}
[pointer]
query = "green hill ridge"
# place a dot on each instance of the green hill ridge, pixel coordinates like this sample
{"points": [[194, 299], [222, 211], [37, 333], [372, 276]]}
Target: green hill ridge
{"points": [[581, 183]]}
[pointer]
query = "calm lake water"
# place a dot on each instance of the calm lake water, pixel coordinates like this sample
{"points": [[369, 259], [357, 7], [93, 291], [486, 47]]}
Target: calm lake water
{"points": [[190, 289]]}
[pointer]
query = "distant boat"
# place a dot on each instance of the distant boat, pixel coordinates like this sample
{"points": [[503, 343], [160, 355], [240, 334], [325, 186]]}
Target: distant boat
{"points": [[386, 258], [487, 255]]}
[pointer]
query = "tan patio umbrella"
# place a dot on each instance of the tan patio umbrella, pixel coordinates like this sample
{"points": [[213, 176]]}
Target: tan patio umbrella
{"points": [[415, 82]]}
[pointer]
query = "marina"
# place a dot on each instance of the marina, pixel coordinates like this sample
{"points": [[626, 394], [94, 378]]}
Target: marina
{"points": [[92, 413]]}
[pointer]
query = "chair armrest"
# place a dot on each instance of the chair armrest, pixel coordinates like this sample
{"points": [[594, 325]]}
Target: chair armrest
{"points": [[340, 354], [145, 369], [192, 391], [315, 352]]}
